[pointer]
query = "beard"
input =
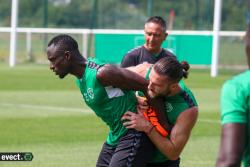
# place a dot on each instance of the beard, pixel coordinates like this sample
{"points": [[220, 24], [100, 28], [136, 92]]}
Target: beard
{"points": [[153, 94]]}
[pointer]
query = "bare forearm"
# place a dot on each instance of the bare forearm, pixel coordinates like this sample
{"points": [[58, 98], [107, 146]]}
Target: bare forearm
{"points": [[232, 145], [121, 78], [165, 146], [172, 147]]}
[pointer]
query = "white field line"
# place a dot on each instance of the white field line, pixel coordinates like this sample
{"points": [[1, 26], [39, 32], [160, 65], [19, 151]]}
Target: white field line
{"points": [[203, 162], [45, 107], [52, 108]]}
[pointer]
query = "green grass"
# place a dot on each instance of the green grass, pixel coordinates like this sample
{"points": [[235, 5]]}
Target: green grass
{"points": [[42, 114]]}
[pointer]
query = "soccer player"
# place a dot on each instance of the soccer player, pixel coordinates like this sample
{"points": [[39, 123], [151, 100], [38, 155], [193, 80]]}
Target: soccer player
{"points": [[155, 33], [181, 109], [105, 89], [235, 117], [235, 107]]}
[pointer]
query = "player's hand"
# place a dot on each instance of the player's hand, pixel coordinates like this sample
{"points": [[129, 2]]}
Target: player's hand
{"points": [[142, 104], [135, 121]]}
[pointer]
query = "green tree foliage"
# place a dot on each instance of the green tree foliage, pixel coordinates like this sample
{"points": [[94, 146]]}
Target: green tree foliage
{"points": [[124, 14], [5, 10]]}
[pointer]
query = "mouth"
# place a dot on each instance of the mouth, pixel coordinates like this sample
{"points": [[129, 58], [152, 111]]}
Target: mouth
{"points": [[55, 72]]}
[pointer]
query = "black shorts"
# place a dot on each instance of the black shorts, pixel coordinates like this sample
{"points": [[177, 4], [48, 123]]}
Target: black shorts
{"points": [[169, 163], [134, 150]]}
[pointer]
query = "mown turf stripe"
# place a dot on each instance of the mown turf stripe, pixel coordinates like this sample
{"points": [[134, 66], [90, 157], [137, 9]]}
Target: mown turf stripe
{"points": [[45, 107]]}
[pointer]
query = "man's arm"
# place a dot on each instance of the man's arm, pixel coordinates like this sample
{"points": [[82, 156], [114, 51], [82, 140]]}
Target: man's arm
{"points": [[233, 142], [110, 75], [179, 136]]}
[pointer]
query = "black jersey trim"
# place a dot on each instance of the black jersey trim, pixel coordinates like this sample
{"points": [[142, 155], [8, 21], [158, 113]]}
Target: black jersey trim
{"points": [[93, 65], [188, 99]]}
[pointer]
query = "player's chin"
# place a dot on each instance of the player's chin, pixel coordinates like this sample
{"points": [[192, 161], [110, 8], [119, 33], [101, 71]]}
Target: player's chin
{"points": [[61, 76], [151, 94]]}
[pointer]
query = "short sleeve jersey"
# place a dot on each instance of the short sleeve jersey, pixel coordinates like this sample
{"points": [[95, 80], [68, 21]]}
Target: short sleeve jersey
{"points": [[140, 55], [108, 103], [235, 105], [174, 106]]}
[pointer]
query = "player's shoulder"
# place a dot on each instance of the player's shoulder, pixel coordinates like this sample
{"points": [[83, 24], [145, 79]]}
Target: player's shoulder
{"points": [[135, 50], [242, 78], [168, 53]]}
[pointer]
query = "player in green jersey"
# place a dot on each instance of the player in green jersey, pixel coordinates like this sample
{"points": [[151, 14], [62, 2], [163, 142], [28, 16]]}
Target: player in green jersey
{"points": [[105, 89], [181, 108], [235, 117]]}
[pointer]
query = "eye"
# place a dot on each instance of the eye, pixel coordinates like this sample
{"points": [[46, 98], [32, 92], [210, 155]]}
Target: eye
{"points": [[51, 59], [149, 34]]}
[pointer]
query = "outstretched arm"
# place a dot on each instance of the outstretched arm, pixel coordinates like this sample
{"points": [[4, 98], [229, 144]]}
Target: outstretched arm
{"points": [[233, 142], [110, 75], [179, 136]]}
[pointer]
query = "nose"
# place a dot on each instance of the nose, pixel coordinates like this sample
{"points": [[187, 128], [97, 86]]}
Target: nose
{"points": [[150, 86], [150, 38], [51, 66]]}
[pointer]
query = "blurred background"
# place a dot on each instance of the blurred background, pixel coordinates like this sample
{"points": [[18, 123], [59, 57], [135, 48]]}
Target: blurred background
{"points": [[126, 15], [42, 114]]}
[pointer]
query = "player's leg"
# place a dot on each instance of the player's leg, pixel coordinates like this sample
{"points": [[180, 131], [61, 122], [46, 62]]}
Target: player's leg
{"points": [[134, 149], [105, 155]]}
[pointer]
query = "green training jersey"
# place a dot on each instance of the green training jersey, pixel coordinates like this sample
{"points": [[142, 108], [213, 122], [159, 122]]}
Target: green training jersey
{"points": [[108, 103], [175, 105], [235, 105]]}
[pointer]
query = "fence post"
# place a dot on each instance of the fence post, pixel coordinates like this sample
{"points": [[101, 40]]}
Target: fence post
{"points": [[216, 38], [13, 33], [85, 45], [28, 45]]}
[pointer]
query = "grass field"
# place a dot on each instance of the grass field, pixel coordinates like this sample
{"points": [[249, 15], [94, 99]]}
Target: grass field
{"points": [[46, 116]]}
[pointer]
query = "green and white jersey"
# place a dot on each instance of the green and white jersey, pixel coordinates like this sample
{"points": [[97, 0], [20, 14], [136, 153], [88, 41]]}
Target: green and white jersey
{"points": [[235, 105], [175, 105], [108, 103]]}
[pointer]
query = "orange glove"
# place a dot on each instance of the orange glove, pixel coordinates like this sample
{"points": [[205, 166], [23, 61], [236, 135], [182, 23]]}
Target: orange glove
{"points": [[151, 116]]}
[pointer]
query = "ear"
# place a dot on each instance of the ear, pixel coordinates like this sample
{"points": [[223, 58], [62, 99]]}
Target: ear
{"points": [[67, 55], [174, 86]]}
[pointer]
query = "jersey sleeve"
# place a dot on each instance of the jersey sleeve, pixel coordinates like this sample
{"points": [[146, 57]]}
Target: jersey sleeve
{"points": [[233, 103]]}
